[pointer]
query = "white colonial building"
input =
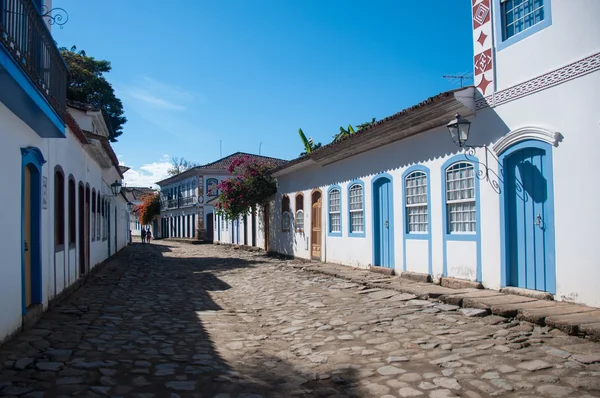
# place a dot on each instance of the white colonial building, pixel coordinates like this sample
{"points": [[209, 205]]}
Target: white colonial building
{"points": [[513, 206], [187, 204], [135, 195], [59, 215]]}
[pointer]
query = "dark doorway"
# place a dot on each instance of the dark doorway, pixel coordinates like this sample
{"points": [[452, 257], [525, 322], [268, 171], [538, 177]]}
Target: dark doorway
{"points": [[210, 227]]}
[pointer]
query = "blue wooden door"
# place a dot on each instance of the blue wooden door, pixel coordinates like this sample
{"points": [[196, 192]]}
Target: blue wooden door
{"points": [[382, 231], [529, 220]]}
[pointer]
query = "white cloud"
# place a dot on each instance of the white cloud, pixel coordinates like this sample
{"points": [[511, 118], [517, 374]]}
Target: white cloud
{"points": [[149, 99], [148, 174], [164, 105]]}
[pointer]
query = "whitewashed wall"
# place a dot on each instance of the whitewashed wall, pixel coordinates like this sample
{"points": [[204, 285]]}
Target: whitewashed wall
{"points": [[60, 269], [16, 135], [570, 108], [572, 36]]}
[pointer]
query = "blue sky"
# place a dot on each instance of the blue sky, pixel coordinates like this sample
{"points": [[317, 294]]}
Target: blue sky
{"points": [[193, 72]]}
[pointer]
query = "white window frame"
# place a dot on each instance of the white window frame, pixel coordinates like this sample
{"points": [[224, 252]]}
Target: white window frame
{"points": [[466, 188], [300, 220], [416, 203], [337, 213], [354, 187]]}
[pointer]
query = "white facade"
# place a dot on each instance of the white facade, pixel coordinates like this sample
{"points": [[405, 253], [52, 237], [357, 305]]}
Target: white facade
{"points": [[515, 207], [60, 263]]}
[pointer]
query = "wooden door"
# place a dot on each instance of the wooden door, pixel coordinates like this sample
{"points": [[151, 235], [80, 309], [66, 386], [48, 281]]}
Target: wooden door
{"points": [[28, 244], [383, 220], [316, 226], [529, 220]]}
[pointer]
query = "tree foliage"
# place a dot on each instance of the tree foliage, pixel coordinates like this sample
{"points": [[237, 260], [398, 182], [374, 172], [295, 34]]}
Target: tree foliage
{"points": [[249, 186], [179, 165], [149, 209], [309, 144], [86, 83]]}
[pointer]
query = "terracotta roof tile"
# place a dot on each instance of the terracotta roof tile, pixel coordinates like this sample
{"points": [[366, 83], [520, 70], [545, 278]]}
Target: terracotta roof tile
{"points": [[372, 129], [226, 161]]}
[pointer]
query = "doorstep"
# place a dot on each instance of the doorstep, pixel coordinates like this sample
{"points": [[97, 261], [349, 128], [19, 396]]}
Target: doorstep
{"points": [[574, 319]]}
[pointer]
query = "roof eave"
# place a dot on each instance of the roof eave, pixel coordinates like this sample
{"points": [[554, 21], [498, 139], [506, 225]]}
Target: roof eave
{"points": [[416, 121]]}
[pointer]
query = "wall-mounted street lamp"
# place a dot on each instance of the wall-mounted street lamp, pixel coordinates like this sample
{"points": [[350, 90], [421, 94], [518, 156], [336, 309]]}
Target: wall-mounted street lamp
{"points": [[459, 129], [115, 187]]}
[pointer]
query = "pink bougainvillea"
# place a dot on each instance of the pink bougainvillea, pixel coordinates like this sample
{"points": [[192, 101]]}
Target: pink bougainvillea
{"points": [[250, 185]]}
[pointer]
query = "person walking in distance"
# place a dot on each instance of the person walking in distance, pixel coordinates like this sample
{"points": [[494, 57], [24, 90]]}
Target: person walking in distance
{"points": [[148, 235], [143, 235]]}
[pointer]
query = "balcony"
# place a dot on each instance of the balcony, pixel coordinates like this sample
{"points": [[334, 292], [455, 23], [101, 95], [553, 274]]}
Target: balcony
{"points": [[33, 74], [188, 201]]}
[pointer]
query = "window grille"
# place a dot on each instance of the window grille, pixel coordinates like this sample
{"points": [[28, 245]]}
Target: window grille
{"points": [[460, 198], [518, 15], [356, 209], [334, 211], [417, 217]]}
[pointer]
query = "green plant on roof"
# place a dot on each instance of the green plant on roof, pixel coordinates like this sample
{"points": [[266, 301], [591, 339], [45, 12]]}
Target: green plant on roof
{"points": [[309, 144]]}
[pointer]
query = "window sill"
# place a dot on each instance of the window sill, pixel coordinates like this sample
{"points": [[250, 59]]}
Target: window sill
{"points": [[356, 234], [461, 237], [417, 236], [335, 234]]}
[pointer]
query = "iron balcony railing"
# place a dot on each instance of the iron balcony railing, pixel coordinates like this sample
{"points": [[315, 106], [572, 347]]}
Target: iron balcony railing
{"points": [[25, 35], [172, 204], [187, 201]]}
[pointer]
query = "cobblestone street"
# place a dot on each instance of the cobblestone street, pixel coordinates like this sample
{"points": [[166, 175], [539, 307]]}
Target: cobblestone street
{"points": [[178, 320]]}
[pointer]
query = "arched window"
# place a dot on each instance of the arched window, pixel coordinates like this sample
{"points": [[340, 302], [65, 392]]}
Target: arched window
{"points": [[357, 209], [335, 212], [72, 214], [93, 215], [299, 213], [285, 214], [460, 198], [417, 213], [59, 209]]}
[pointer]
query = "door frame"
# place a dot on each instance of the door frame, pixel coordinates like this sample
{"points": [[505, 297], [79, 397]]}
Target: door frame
{"points": [[549, 218], [32, 157], [374, 182], [310, 243]]}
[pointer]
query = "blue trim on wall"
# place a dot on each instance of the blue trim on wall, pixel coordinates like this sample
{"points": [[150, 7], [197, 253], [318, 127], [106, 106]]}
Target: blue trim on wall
{"points": [[22, 97], [549, 221], [363, 233], [391, 221], [416, 236], [32, 156], [329, 233], [446, 236], [498, 28]]}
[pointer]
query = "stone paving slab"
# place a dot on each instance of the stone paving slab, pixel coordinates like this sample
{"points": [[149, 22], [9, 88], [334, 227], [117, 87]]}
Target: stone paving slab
{"points": [[571, 323], [489, 302], [510, 310], [539, 315], [179, 320], [457, 298], [528, 308]]}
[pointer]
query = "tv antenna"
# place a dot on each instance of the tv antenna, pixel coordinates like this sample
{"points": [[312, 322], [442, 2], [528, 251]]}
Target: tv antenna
{"points": [[460, 77]]}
